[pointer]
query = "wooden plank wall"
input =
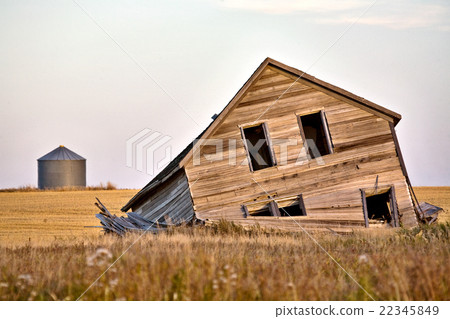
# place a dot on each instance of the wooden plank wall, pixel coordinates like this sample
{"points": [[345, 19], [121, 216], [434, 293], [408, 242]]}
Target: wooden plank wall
{"points": [[363, 149], [171, 202]]}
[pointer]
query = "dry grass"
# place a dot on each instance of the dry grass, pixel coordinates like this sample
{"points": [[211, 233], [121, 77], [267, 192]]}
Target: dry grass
{"points": [[224, 262], [218, 264]]}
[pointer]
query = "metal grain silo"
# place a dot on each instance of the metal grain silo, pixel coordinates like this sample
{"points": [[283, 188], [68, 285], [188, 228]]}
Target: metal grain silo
{"points": [[61, 168]]}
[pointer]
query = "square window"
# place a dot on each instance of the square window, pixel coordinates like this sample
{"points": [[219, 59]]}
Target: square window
{"points": [[315, 134], [259, 150], [296, 208]]}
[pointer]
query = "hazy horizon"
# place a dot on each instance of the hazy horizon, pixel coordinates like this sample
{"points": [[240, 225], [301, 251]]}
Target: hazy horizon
{"points": [[64, 81]]}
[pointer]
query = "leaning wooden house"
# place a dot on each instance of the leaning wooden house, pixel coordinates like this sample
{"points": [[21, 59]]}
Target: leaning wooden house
{"points": [[286, 117]]}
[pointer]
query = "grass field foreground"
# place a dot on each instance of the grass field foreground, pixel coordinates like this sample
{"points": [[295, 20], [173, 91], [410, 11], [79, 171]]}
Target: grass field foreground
{"points": [[227, 262]]}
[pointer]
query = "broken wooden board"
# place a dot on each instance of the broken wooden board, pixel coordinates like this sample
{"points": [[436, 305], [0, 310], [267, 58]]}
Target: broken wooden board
{"points": [[428, 213], [121, 225]]}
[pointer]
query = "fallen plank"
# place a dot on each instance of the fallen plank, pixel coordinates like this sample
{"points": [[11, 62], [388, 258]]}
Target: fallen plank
{"points": [[120, 225]]}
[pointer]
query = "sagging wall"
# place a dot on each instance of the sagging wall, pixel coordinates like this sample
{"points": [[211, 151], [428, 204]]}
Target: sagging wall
{"points": [[170, 203], [363, 149]]}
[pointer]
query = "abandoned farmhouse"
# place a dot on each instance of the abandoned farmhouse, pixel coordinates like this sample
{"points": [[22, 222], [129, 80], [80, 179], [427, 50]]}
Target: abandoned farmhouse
{"points": [[351, 175]]}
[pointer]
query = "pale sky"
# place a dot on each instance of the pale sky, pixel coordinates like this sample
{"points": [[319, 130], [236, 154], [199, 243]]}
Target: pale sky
{"points": [[63, 80]]}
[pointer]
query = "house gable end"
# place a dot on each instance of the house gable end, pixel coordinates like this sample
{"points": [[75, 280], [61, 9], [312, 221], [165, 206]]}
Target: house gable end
{"points": [[294, 80]]}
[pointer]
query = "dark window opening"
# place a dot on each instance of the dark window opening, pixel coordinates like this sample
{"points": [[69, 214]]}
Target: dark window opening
{"points": [[378, 207], [293, 210], [262, 212], [314, 129], [258, 147], [271, 209]]}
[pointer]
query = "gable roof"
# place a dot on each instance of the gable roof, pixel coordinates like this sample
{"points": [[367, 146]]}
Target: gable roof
{"points": [[179, 161]]}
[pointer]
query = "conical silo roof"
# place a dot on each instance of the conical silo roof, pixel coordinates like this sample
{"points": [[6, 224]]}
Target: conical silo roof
{"points": [[61, 153]]}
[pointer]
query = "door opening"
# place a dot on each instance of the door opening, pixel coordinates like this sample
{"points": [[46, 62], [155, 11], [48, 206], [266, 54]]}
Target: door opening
{"points": [[380, 207]]}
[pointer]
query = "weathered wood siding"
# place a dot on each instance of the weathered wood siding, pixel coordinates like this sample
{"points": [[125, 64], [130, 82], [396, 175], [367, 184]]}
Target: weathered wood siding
{"points": [[170, 203], [363, 149]]}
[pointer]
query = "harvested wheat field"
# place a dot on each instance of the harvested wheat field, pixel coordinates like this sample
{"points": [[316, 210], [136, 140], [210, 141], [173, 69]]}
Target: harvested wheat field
{"points": [[43, 217], [47, 254]]}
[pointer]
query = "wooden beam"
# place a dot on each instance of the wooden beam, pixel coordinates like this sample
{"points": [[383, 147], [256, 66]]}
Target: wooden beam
{"points": [[365, 212], [301, 203], [245, 209], [326, 131], [273, 206], [302, 134], [394, 209], [398, 150], [269, 144], [246, 149]]}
